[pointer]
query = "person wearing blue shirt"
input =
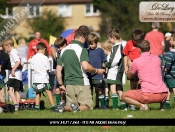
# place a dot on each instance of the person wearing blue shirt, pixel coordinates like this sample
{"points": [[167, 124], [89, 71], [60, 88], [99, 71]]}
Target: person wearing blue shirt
{"points": [[96, 59]]}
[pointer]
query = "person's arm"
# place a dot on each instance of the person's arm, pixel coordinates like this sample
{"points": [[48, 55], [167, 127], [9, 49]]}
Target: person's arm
{"points": [[132, 71], [88, 68], [130, 74], [17, 64], [59, 78], [125, 64]]}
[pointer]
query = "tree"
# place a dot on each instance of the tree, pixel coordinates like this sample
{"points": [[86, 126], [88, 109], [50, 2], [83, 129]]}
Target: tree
{"points": [[48, 24], [3, 5], [123, 15]]}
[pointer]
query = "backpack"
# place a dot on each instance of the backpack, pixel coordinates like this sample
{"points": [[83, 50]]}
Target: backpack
{"points": [[7, 108]]}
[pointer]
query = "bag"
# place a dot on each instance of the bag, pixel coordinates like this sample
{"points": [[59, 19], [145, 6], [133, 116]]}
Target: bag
{"points": [[7, 108], [42, 106]]}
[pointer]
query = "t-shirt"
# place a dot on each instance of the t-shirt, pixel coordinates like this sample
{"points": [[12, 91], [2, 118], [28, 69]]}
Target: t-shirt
{"points": [[96, 59], [148, 69], [131, 50], [71, 57], [155, 38], [40, 64], [14, 57]]}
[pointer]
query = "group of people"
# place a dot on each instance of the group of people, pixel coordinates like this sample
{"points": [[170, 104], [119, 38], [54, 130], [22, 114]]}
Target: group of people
{"points": [[79, 70]]}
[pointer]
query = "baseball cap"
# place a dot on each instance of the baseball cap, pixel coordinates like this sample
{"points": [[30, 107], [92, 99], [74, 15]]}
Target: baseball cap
{"points": [[168, 34]]}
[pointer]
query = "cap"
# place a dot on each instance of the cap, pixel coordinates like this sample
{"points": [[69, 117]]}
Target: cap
{"points": [[168, 34]]}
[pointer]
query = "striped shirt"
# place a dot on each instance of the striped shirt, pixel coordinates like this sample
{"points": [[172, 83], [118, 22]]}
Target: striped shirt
{"points": [[169, 59]]}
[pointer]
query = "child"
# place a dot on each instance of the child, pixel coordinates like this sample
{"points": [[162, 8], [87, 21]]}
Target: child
{"points": [[5, 65], [96, 59], [169, 68], [60, 43], [40, 65], [15, 79], [107, 47], [131, 52], [115, 66]]}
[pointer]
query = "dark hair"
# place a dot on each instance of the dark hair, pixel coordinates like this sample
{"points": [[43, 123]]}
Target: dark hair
{"points": [[114, 33], [82, 31], [92, 37], [137, 34], [144, 45], [60, 42], [41, 46]]}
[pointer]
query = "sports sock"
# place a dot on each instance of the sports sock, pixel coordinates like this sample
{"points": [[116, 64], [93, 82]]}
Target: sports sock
{"points": [[37, 107], [106, 101], [102, 99], [58, 98], [122, 104], [167, 104], [115, 100], [53, 107]]}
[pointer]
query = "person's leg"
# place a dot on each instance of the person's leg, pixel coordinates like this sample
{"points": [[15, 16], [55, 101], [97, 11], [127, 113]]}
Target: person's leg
{"points": [[132, 97], [167, 102], [96, 98], [12, 95], [18, 96], [101, 97], [57, 95], [114, 95], [37, 100], [107, 97], [119, 91], [2, 96], [51, 100]]}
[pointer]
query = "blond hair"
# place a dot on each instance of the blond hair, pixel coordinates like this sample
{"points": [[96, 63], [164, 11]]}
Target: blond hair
{"points": [[22, 41], [8, 41], [107, 45]]}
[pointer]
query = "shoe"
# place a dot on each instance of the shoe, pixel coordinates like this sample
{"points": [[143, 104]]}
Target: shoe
{"points": [[96, 107], [125, 109], [62, 102], [16, 107], [59, 109], [74, 107], [145, 107], [103, 107]]}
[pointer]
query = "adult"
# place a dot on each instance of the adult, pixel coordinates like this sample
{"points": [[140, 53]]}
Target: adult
{"points": [[74, 58], [32, 45], [156, 39], [23, 49], [148, 69]]}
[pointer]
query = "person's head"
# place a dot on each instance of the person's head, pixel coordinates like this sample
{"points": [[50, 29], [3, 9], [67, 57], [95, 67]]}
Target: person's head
{"points": [[60, 43], [93, 40], [155, 25], [168, 36], [137, 35], [21, 41], [81, 34], [41, 48], [144, 46], [107, 47], [172, 41], [8, 44], [114, 36], [37, 35]]}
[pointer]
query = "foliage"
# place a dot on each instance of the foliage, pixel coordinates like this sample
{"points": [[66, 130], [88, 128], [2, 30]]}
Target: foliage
{"points": [[123, 15], [48, 24], [3, 5]]}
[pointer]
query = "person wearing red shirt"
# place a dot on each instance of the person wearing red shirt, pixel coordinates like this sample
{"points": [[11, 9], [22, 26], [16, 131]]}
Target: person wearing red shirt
{"points": [[132, 52], [156, 39], [32, 45]]}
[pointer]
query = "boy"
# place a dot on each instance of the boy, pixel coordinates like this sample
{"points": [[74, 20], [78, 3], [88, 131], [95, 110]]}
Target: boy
{"points": [[5, 65], [107, 47], [96, 59], [15, 78], [169, 68], [40, 65], [131, 52], [60, 43], [115, 66]]}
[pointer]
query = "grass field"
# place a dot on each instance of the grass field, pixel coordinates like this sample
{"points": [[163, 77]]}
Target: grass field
{"points": [[153, 113]]}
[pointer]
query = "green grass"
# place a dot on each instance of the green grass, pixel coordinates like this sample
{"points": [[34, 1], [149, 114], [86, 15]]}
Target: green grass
{"points": [[153, 113]]}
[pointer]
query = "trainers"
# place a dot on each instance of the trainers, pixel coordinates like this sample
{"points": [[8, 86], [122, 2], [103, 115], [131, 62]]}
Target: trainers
{"points": [[74, 107], [16, 107], [59, 109], [62, 102], [103, 107]]}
